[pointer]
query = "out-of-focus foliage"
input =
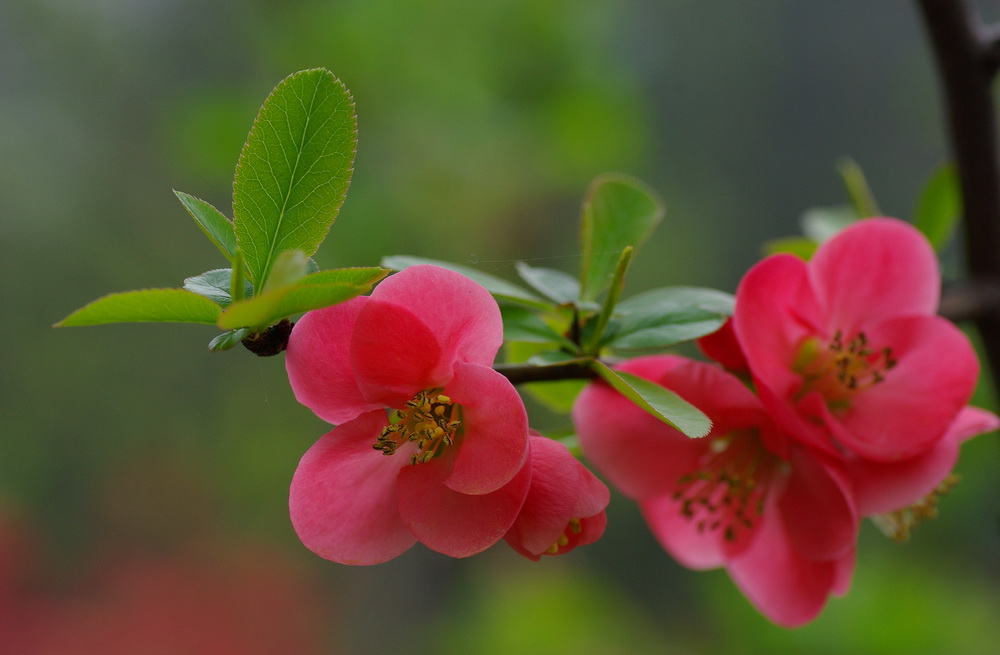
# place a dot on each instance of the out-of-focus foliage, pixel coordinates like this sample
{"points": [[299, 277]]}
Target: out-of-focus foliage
{"points": [[480, 125]]}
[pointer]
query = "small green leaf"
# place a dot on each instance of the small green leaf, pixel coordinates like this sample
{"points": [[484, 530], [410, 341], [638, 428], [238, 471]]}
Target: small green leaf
{"points": [[858, 190], [214, 285], [294, 170], [658, 401], [146, 305], [520, 324], [228, 339], [939, 206], [212, 222], [501, 289], [289, 267], [823, 223], [618, 211], [562, 288], [311, 292], [595, 329]]}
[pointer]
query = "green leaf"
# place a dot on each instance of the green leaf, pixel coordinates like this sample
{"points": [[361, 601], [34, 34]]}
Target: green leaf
{"points": [[228, 339], [618, 211], [653, 330], [939, 206], [146, 305], [823, 223], [501, 289], [212, 222], [658, 401], [294, 170], [594, 332], [520, 324], [311, 292], [214, 285], [562, 288], [665, 299], [858, 190]]}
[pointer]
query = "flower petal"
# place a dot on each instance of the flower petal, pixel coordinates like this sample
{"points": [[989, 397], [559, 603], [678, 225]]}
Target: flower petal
{"points": [[882, 487], [723, 347], [344, 500], [453, 523], [787, 588], [817, 509], [319, 364], [910, 410], [679, 536], [639, 454], [494, 446], [878, 267], [561, 489]]}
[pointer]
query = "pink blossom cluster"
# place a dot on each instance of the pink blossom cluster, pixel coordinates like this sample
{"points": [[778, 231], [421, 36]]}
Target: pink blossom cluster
{"points": [[838, 394], [431, 444]]}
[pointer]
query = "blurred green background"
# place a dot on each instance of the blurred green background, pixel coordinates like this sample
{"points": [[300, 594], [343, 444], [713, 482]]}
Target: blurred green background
{"points": [[142, 476]]}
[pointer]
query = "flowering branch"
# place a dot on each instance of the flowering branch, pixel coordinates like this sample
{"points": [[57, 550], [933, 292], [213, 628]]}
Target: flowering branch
{"points": [[968, 56]]}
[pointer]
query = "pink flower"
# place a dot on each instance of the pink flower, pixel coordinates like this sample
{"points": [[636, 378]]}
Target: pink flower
{"points": [[846, 350], [431, 442], [564, 507], [778, 516]]}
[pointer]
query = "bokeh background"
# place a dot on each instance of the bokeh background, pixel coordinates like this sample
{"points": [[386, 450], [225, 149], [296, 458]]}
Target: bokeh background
{"points": [[143, 480]]}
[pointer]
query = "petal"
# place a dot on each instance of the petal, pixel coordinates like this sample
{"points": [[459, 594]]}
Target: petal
{"points": [[494, 445], [878, 267], [639, 454], [910, 410], [319, 365], [344, 500], [679, 536], [453, 523], [882, 487], [394, 354], [561, 489], [776, 311], [787, 588], [723, 347], [817, 509]]}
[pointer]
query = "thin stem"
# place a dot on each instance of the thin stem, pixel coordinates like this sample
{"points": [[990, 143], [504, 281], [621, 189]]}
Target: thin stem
{"points": [[523, 373], [967, 58]]}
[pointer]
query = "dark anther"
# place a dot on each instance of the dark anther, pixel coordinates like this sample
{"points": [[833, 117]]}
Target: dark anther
{"points": [[271, 341]]}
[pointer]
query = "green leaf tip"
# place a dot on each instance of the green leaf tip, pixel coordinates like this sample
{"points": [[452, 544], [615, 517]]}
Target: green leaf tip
{"points": [[294, 170], [658, 401], [216, 226], [146, 306]]}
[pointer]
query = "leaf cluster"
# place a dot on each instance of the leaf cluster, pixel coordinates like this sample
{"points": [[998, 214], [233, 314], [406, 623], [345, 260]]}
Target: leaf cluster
{"points": [[290, 182]]}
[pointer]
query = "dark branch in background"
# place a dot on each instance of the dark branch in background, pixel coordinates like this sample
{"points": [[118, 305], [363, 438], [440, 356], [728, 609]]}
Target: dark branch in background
{"points": [[522, 373], [968, 56]]}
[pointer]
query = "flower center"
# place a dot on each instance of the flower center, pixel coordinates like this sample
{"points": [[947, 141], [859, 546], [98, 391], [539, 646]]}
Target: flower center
{"points": [[430, 419], [727, 493], [839, 369]]}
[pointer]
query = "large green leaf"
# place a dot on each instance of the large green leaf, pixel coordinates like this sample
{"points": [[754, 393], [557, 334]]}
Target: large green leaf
{"points": [[520, 324], [212, 222], [501, 289], [658, 401], [294, 170], [618, 211], [146, 305], [940, 206], [311, 292]]}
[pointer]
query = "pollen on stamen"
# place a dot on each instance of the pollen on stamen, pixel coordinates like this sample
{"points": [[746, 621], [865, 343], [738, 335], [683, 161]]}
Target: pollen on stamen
{"points": [[430, 419]]}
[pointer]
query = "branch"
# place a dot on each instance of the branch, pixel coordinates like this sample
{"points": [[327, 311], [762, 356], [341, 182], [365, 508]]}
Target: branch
{"points": [[522, 373], [967, 58]]}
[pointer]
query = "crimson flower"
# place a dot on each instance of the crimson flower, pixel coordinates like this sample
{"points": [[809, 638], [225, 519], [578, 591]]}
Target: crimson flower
{"points": [[846, 350], [430, 443], [777, 515], [564, 507]]}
